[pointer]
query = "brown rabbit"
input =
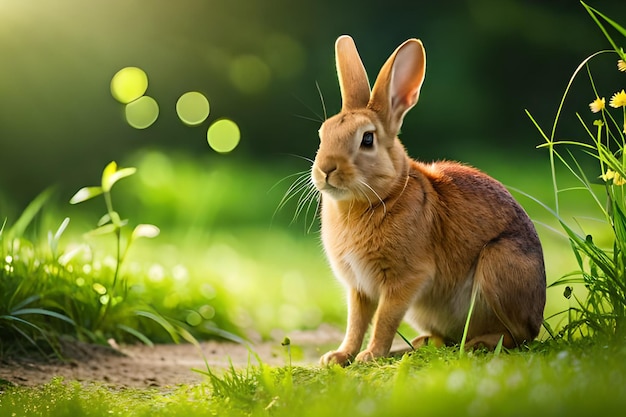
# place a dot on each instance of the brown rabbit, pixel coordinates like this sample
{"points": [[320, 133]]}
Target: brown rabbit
{"points": [[413, 240]]}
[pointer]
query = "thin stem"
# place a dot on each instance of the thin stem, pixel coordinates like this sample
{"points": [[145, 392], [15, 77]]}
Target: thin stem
{"points": [[467, 322], [109, 203], [555, 185], [118, 239], [556, 121]]}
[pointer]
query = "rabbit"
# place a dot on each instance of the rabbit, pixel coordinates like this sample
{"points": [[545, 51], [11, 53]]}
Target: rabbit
{"points": [[412, 240]]}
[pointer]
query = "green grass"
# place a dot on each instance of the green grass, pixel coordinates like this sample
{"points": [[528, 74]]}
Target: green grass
{"points": [[575, 380]]}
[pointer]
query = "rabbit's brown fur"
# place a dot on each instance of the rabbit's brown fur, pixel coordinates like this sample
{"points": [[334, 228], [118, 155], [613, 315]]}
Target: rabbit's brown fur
{"points": [[413, 240]]}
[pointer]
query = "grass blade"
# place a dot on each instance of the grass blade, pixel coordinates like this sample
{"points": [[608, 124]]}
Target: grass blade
{"points": [[29, 213], [142, 337], [161, 321], [43, 312]]}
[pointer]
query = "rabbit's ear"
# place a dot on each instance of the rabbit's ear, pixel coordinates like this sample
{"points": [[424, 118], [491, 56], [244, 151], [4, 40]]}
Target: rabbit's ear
{"points": [[398, 84], [355, 87]]}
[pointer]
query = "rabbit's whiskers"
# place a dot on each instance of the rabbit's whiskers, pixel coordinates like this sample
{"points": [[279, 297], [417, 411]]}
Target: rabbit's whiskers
{"points": [[382, 202], [306, 194]]}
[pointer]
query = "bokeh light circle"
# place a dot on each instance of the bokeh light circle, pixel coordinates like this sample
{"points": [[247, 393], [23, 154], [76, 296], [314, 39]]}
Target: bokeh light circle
{"points": [[142, 112], [128, 84], [223, 135], [192, 108]]}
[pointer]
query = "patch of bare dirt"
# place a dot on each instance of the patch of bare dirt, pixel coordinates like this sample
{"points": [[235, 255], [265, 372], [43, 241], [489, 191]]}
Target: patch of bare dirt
{"points": [[162, 365]]}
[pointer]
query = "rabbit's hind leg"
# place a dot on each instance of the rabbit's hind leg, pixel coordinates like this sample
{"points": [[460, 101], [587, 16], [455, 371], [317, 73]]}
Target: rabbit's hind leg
{"points": [[510, 284]]}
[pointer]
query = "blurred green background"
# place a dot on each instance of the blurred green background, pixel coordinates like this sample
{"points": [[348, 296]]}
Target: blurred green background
{"points": [[260, 63]]}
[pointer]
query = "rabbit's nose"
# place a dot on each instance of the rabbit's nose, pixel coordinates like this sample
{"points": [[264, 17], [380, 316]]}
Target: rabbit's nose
{"points": [[327, 177], [327, 170]]}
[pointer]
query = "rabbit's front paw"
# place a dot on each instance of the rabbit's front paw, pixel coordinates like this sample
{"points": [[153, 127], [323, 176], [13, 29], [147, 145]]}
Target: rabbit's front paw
{"points": [[335, 357], [366, 356]]}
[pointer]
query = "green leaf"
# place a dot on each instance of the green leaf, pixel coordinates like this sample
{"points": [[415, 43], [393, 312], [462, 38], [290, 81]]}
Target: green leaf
{"points": [[112, 218], [107, 172], [104, 220], [20, 320], [117, 220], [188, 336], [69, 255], [225, 334], [85, 194], [111, 175], [145, 230], [103, 230], [53, 239], [29, 214], [43, 312], [26, 301], [593, 12], [61, 229], [498, 349], [161, 321], [142, 337], [26, 336]]}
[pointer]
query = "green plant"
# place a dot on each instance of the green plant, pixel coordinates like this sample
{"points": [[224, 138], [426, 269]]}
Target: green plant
{"points": [[111, 222], [27, 310], [114, 298], [602, 269]]}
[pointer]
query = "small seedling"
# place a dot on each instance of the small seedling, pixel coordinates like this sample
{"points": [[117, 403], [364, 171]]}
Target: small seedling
{"points": [[112, 223], [287, 344]]}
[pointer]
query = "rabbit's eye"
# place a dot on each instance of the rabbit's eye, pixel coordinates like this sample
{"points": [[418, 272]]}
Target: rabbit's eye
{"points": [[368, 140]]}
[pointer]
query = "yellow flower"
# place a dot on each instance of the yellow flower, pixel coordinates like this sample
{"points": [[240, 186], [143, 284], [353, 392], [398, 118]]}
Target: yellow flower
{"points": [[618, 99], [612, 175], [608, 175], [621, 65], [597, 105]]}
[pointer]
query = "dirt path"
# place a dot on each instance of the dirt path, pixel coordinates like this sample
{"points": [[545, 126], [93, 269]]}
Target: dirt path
{"points": [[161, 365]]}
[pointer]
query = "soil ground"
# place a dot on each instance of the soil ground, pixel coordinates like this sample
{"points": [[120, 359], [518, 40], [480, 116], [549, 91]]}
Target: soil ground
{"points": [[162, 365]]}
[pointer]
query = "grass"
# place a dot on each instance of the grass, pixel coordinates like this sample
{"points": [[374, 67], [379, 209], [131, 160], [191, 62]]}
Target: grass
{"points": [[574, 379]]}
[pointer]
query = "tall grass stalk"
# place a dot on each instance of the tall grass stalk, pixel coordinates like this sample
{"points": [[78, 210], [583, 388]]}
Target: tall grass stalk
{"points": [[601, 269]]}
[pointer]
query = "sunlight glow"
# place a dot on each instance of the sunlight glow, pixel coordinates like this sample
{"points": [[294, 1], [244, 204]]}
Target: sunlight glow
{"points": [[142, 112], [128, 84], [223, 135], [192, 108]]}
